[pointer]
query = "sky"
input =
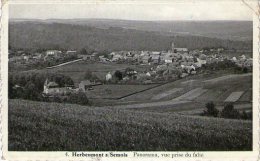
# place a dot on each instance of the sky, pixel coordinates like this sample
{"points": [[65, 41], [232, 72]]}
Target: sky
{"points": [[135, 10]]}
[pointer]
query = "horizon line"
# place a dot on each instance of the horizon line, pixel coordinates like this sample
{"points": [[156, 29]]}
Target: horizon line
{"points": [[44, 19]]}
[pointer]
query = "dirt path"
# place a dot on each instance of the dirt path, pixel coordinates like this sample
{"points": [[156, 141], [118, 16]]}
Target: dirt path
{"points": [[59, 65], [55, 66]]}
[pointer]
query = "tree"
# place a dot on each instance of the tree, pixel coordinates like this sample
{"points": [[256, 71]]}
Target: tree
{"points": [[245, 70], [230, 112], [11, 91], [83, 51], [244, 115], [30, 91], [118, 75], [211, 110], [61, 80], [90, 76]]}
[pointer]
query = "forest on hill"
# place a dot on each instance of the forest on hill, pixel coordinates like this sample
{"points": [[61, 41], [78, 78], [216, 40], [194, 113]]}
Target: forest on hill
{"points": [[41, 35]]}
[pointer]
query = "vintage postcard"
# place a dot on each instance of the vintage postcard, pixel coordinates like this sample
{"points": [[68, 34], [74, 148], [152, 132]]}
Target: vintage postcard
{"points": [[130, 80]]}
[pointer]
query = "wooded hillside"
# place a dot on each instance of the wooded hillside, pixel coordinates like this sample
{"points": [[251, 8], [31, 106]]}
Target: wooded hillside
{"points": [[35, 35]]}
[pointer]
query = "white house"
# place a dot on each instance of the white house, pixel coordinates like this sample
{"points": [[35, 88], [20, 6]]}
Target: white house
{"points": [[53, 52], [200, 62], [71, 52], [168, 60], [117, 57], [52, 88], [108, 76], [234, 59], [181, 49]]}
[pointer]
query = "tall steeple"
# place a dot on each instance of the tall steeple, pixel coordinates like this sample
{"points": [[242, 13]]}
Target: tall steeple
{"points": [[172, 46]]}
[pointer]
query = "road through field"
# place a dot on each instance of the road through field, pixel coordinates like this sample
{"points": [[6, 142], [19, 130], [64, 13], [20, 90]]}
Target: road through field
{"points": [[66, 63], [55, 66]]}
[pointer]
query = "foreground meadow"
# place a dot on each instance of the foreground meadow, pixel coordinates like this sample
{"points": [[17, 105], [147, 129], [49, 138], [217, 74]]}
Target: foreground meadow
{"points": [[42, 126]]}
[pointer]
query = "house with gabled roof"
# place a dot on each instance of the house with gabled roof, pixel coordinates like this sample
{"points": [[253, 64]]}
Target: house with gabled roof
{"points": [[146, 59], [85, 85], [155, 59], [51, 88]]}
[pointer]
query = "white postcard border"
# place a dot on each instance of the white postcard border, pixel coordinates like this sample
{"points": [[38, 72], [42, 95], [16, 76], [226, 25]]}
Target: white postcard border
{"points": [[234, 155]]}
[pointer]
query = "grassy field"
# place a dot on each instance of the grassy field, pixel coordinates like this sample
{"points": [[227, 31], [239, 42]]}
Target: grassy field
{"points": [[114, 91], [43, 126], [77, 70]]}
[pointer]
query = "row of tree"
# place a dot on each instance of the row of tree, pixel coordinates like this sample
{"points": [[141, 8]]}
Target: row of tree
{"points": [[226, 64], [227, 112]]}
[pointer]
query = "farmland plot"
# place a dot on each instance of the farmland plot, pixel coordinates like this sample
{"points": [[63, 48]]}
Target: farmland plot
{"points": [[190, 82], [211, 95], [234, 96], [167, 93], [192, 94], [246, 97], [227, 77], [115, 91]]}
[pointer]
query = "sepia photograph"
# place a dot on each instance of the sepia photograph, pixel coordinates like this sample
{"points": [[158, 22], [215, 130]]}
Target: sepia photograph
{"points": [[110, 76]]}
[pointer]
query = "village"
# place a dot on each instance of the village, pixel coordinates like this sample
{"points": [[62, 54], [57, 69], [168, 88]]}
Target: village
{"points": [[161, 66]]}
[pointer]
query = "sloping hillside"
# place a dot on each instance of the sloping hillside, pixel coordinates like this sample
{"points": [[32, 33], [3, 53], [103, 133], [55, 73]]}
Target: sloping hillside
{"points": [[52, 126], [37, 35]]}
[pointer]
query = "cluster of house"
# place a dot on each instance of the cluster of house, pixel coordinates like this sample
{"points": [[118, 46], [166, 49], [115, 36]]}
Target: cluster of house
{"points": [[178, 62], [148, 57], [243, 61], [23, 57], [51, 88], [175, 56]]}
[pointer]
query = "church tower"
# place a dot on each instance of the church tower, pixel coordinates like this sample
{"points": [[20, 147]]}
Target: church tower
{"points": [[172, 46]]}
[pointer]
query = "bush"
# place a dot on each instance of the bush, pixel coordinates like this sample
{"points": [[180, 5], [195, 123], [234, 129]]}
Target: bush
{"points": [[245, 70], [211, 110], [90, 76], [230, 112], [30, 92], [246, 116], [78, 98]]}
